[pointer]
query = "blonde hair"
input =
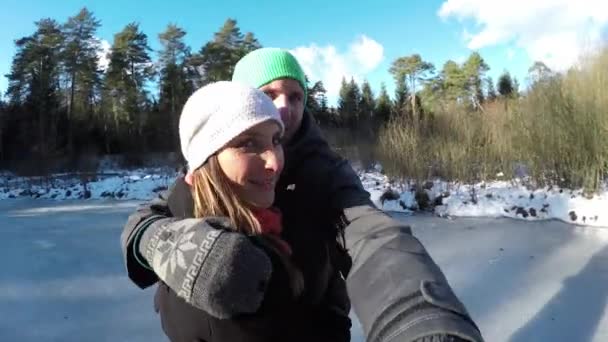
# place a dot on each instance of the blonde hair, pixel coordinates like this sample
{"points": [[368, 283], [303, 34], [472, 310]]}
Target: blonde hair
{"points": [[214, 196]]}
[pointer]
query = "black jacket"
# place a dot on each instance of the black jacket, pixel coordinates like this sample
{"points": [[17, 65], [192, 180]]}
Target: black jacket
{"points": [[280, 318], [321, 314], [397, 291]]}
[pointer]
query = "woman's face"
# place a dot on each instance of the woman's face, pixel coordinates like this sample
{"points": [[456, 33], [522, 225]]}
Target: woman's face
{"points": [[253, 162]]}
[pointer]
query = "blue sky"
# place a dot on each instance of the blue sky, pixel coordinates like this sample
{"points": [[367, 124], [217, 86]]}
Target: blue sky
{"points": [[347, 38]]}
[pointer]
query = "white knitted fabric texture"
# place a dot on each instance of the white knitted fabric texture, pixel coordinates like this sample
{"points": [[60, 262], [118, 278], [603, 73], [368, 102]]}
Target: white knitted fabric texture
{"points": [[217, 113]]}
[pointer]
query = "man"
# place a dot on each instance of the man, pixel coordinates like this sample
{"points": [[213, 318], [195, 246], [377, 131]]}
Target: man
{"points": [[397, 291]]}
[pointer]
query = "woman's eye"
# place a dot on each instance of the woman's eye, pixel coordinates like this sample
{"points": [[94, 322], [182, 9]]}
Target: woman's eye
{"points": [[246, 144], [277, 141]]}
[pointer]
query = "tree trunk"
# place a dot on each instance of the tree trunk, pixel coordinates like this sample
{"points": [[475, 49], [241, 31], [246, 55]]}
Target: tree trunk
{"points": [[174, 119], [413, 103], [413, 97], [115, 116], [106, 134], [41, 136], [1, 137], [43, 92], [70, 142]]}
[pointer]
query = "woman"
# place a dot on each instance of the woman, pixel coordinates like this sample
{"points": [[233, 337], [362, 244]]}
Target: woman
{"points": [[231, 138]]}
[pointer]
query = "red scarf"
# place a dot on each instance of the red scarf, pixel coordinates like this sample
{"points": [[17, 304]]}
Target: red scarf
{"points": [[271, 223]]}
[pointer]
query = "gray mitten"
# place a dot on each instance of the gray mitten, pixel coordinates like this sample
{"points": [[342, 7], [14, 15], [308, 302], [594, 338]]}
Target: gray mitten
{"points": [[214, 269], [441, 338]]}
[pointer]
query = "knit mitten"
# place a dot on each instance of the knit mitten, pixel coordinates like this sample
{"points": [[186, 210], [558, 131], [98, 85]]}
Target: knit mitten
{"points": [[214, 269]]}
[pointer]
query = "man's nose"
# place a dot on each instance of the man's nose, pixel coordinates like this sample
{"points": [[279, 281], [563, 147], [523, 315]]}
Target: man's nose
{"points": [[282, 106]]}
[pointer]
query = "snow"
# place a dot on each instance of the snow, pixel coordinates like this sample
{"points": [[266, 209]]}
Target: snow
{"points": [[493, 199], [63, 277], [138, 184], [502, 199]]}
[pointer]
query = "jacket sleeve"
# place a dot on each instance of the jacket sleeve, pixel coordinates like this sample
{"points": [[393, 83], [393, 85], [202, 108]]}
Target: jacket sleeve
{"points": [[335, 320], [396, 289], [151, 215], [204, 261]]}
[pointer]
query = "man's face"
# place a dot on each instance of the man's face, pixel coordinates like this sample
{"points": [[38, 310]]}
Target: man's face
{"points": [[288, 97]]}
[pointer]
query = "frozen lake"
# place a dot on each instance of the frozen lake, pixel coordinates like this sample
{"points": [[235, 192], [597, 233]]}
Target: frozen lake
{"points": [[63, 278]]}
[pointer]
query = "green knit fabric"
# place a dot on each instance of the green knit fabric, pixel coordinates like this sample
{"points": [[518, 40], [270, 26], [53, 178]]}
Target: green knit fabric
{"points": [[265, 65]]}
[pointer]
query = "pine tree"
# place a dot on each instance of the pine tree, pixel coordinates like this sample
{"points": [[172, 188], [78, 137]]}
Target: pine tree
{"points": [[80, 64], [316, 103], [382, 112], [325, 110], [34, 84], [366, 107], [174, 85], [217, 58], [414, 70], [515, 87], [475, 69], [401, 106], [367, 102], [432, 96], [505, 84], [355, 99], [348, 103], [454, 81], [490, 90], [249, 44], [3, 125], [124, 94], [539, 72]]}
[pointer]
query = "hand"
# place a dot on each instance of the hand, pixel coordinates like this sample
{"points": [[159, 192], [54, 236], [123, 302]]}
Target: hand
{"points": [[211, 267]]}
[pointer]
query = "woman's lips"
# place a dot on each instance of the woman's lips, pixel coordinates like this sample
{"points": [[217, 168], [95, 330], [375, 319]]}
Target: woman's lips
{"points": [[264, 184]]}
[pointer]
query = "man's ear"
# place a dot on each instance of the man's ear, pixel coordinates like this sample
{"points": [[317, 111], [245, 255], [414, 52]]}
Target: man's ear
{"points": [[189, 178]]}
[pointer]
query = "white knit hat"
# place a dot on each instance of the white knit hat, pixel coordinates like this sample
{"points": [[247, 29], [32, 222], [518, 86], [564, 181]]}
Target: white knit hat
{"points": [[216, 114]]}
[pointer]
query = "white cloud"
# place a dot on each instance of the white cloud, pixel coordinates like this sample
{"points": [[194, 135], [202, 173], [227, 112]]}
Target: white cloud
{"points": [[510, 54], [103, 54], [460, 59], [367, 52], [327, 64], [466, 35], [553, 31]]}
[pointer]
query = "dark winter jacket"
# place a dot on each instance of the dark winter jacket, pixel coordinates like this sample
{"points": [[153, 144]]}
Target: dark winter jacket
{"points": [[321, 314], [397, 291], [281, 317]]}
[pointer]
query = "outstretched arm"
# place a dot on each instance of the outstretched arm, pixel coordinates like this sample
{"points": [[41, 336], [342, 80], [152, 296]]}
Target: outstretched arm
{"points": [[397, 291]]}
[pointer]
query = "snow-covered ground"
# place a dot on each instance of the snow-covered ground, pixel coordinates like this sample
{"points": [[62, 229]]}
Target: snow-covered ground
{"points": [[137, 184], [63, 278], [494, 199]]}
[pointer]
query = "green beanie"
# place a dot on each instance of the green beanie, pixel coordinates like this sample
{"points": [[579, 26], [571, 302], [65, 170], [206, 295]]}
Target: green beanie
{"points": [[265, 65]]}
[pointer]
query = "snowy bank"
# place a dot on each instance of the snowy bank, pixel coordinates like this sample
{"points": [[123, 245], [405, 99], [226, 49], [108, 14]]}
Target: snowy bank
{"points": [[492, 199], [141, 184]]}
